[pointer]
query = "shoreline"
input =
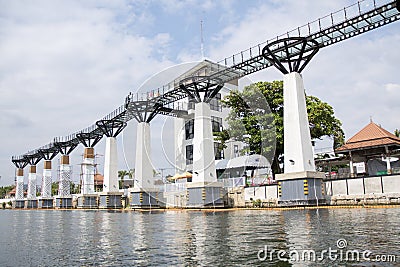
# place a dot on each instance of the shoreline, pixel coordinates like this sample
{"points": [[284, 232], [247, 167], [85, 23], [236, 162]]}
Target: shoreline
{"points": [[220, 209]]}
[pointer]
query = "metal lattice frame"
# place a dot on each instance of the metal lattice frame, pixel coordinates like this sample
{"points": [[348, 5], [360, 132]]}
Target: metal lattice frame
{"points": [[46, 184], [64, 189], [66, 147], [111, 128], [89, 139], [207, 85], [19, 190], [49, 153], [19, 161], [32, 186], [336, 27], [34, 158], [295, 52], [144, 111]]}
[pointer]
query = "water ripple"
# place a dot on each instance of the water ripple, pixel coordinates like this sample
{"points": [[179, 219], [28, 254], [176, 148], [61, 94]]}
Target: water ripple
{"points": [[188, 238]]}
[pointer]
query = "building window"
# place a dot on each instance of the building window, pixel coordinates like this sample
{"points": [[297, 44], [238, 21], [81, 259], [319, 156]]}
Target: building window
{"points": [[191, 103], [215, 103], [216, 124], [189, 129], [219, 152], [189, 154], [236, 151]]}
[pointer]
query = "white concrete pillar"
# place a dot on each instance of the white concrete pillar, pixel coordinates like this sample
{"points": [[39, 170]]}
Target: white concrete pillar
{"points": [[19, 190], [32, 182], [88, 171], [203, 146], [297, 138], [111, 166], [143, 166], [64, 189], [180, 138], [46, 182], [351, 165]]}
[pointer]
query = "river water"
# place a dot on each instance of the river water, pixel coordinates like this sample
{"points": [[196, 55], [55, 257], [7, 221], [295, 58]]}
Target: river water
{"points": [[198, 238]]}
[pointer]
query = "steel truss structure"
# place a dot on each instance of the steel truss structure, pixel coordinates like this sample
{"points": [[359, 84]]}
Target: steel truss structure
{"points": [[111, 128], [295, 48], [195, 85]]}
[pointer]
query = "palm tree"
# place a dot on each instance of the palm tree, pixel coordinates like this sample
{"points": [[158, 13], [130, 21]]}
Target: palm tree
{"points": [[131, 175]]}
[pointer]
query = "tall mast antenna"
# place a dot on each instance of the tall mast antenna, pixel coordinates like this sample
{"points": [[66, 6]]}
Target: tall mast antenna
{"points": [[201, 40]]}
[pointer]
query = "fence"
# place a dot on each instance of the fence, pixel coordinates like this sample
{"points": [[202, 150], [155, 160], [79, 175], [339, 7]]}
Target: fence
{"points": [[363, 185]]}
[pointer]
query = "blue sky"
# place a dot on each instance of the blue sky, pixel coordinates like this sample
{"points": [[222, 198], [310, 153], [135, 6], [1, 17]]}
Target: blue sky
{"points": [[65, 64]]}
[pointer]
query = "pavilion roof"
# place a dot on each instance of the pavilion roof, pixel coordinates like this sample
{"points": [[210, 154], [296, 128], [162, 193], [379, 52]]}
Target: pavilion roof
{"points": [[371, 136]]}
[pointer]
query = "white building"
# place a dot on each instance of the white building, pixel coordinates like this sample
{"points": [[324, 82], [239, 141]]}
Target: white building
{"points": [[185, 129]]}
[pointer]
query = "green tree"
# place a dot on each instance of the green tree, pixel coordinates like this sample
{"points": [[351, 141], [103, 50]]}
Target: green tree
{"points": [[54, 188], [4, 190], [253, 126], [397, 132], [123, 173], [121, 176], [74, 188], [131, 173]]}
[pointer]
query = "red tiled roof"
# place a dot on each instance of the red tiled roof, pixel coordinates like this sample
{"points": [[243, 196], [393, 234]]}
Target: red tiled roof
{"points": [[370, 136]]}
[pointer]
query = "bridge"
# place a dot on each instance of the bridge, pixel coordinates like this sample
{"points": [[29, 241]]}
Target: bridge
{"points": [[289, 53]]}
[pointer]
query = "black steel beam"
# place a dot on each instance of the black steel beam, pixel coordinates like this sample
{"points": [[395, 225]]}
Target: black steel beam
{"points": [[33, 159], [252, 60], [19, 161], [49, 153], [111, 128], [89, 139]]}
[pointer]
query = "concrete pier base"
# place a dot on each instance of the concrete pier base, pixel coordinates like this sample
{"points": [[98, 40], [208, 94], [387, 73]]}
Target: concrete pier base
{"points": [[300, 189], [19, 204], [144, 200], [31, 204], [63, 203], [45, 203], [110, 200], [200, 195], [88, 201]]}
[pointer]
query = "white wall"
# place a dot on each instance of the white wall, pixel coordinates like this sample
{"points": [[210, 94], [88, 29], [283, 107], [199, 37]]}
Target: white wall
{"points": [[391, 184], [373, 185]]}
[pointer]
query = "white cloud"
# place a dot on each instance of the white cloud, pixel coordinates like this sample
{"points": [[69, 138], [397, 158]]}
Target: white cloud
{"points": [[65, 65], [392, 88]]}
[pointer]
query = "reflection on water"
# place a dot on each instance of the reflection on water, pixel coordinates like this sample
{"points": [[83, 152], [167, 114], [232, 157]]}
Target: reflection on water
{"points": [[189, 238]]}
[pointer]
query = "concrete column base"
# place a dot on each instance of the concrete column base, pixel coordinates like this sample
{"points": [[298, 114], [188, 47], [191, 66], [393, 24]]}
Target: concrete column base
{"points": [[301, 189], [31, 204], [110, 200], [205, 197], [144, 200], [88, 201], [45, 203], [63, 203], [19, 204]]}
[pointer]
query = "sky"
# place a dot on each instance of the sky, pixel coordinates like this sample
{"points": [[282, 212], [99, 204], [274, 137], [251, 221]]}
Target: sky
{"points": [[66, 64]]}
